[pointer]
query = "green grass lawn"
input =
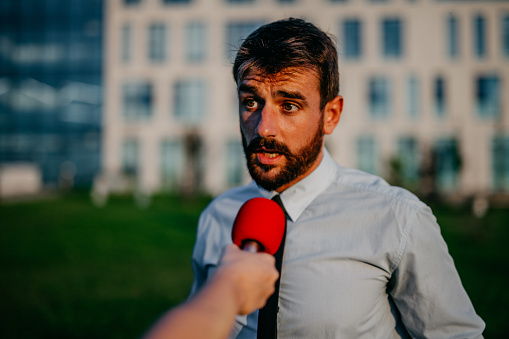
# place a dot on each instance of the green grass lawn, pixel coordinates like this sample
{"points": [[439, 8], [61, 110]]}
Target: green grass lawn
{"points": [[480, 248], [72, 270]]}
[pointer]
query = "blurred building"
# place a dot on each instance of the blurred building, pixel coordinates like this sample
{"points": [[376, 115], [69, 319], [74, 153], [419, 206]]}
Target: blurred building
{"points": [[50, 90], [425, 84]]}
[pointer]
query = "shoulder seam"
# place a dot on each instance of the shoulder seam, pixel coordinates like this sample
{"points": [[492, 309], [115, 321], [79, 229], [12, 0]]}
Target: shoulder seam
{"points": [[414, 203], [404, 239]]}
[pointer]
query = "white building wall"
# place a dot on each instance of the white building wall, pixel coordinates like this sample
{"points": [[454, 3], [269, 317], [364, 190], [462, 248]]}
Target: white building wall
{"points": [[424, 55]]}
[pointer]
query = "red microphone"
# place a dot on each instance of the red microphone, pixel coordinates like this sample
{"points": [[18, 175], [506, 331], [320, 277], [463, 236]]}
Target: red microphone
{"points": [[259, 226]]}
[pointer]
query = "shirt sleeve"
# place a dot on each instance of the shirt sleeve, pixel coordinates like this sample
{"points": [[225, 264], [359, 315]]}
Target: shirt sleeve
{"points": [[202, 259], [426, 288], [211, 238]]}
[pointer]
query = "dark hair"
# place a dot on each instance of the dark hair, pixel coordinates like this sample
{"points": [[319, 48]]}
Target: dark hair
{"points": [[290, 43]]}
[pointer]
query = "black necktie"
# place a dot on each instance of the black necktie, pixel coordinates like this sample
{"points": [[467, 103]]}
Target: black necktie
{"points": [[267, 316]]}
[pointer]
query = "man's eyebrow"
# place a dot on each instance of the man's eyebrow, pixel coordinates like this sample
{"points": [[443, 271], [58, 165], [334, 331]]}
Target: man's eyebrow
{"points": [[290, 95], [279, 94], [247, 88]]}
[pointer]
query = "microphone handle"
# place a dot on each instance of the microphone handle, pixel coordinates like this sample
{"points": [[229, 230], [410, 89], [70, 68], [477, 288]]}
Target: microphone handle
{"points": [[252, 246]]}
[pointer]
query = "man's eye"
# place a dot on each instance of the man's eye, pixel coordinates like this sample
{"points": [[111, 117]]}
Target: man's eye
{"points": [[250, 103], [290, 107]]}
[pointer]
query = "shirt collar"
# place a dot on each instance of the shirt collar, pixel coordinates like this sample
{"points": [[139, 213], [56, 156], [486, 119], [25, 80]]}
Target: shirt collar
{"points": [[297, 197]]}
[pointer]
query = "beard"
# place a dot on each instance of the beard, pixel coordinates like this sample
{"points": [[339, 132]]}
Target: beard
{"points": [[296, 163]]}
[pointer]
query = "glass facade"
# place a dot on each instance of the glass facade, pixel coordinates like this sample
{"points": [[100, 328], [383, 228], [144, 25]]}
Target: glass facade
{"points": [[137, 100], [479, 35], [413, 97], [196, 42], [235, 163], [240, 1], [130, 158], [126, 43], [505, 35], [500, 163], [409, 157], [190, 99], [392, 38], [157, 42], [440, 97], [352, 38], [379, 97], [367, 154], [448, 163], [171, 2], [172, 164], [50, 86], [453, 36], [488, 96]]}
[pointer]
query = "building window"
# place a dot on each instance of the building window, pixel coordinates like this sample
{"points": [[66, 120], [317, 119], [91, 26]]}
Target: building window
{"points": [[447, 163], [378, 97], [366, 154], [480, 36], [190, 99], [236, 32], [488, 96], [235, 163], [126, 43], [172, 164], [453, 36], [500, 163], [440, 97], [137, 100], [413, 98], [505, 35], [196, 42], [352, 38], [130, 157], [392, 38], [408, 157], [157, 42], [170, 2]]}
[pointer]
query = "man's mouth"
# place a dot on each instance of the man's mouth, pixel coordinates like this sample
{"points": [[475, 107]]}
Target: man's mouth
{"points": [[268, 152], [268, 156]]}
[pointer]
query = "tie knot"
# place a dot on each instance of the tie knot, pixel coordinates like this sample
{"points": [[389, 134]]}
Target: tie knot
{"points": [[277, 199]]}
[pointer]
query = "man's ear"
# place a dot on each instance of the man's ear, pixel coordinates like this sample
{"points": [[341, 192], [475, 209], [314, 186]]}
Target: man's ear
{"points": [[332, 114]]}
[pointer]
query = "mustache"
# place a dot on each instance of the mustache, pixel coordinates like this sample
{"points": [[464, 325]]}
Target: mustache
{"points": [[268, 144]]}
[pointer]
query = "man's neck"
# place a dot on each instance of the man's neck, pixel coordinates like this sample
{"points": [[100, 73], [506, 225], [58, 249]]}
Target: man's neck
{"points": [[305, 174]]}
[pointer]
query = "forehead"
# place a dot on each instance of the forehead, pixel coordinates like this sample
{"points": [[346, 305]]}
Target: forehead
{"points": [[303, 78]]}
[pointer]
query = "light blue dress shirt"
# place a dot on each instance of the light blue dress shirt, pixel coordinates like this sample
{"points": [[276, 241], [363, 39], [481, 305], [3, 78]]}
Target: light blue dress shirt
{"points": [[362, 260]]}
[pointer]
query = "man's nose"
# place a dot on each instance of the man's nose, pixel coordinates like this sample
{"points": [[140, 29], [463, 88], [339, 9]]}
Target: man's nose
{"points": [[267, 124]]}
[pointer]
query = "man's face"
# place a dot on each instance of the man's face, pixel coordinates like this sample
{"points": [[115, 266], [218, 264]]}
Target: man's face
{"points": [[282, 126]]}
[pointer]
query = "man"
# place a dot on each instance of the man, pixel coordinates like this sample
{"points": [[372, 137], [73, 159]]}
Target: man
{"points": [[242, 284], [361, 259]]}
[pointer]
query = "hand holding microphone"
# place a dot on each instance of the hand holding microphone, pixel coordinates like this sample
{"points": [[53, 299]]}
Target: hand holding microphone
{"points": [[251, 277], [243, 280]]}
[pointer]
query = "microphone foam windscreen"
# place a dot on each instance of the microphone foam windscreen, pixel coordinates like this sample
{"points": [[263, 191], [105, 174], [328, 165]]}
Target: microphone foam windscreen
{"points": [[262, 220]]}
